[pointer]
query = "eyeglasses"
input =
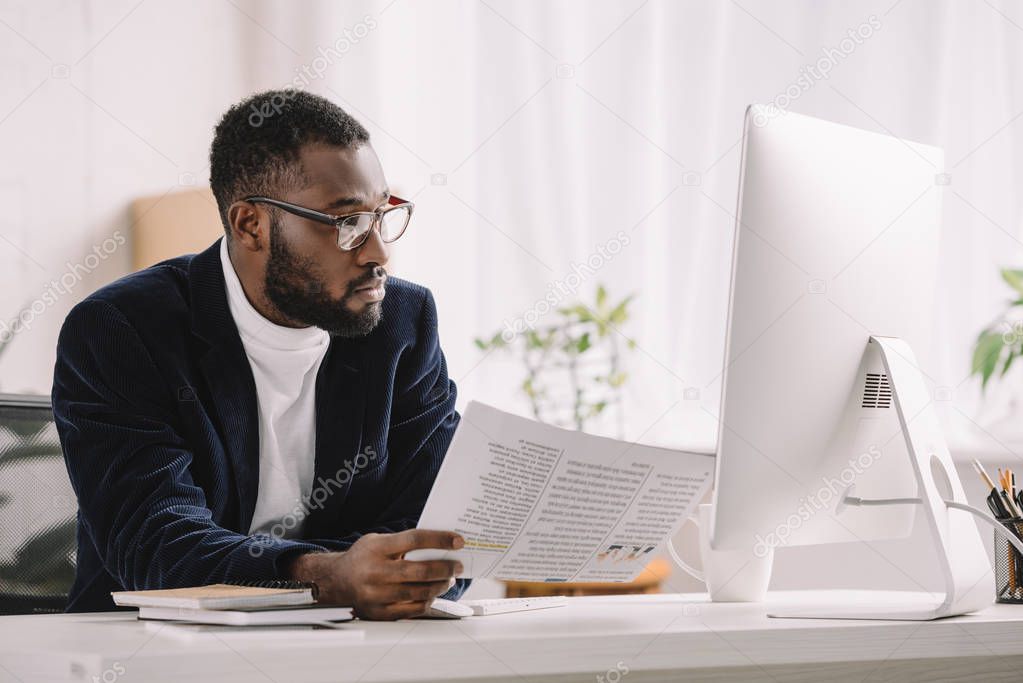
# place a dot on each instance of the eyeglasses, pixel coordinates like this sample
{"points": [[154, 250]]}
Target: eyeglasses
{"points": [[353, 228]]}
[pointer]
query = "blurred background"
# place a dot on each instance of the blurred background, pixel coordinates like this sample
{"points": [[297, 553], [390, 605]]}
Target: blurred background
{"points": [[559, 153]]}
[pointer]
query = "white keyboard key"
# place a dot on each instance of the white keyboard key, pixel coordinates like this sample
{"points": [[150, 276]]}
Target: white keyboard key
{"points": [[482, 608]]}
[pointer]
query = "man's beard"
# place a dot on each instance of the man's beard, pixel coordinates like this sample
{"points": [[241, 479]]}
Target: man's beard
{"points": [[294, 289]]}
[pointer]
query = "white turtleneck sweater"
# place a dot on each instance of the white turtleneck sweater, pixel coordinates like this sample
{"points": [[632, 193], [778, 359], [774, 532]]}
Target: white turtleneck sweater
{"points": [[284, 362]]}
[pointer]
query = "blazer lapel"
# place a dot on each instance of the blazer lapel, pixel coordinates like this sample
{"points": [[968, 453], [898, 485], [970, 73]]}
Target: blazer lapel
{"points": [[226, 369], [340, 408]]}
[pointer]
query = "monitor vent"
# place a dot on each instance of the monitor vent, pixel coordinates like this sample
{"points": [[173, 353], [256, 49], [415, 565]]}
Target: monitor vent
{"points": [[877, 393]]}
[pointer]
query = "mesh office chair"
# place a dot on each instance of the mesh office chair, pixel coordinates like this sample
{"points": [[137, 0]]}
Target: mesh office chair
{"points": [[38, 509]]}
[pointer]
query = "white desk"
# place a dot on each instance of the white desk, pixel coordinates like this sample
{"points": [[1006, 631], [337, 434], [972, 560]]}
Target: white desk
{"points": [[656, 637]]}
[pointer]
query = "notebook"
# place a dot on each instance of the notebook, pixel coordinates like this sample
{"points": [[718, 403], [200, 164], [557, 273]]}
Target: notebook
{"points": [[220, 596], [269, 637], [323, 616]]}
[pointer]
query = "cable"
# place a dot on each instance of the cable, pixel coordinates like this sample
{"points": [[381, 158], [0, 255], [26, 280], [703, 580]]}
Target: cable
{"points": [[853, 500], [990, 519], [980, 514]]}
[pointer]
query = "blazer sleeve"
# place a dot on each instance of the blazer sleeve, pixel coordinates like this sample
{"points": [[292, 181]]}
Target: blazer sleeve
{"points": [[130, 466]]}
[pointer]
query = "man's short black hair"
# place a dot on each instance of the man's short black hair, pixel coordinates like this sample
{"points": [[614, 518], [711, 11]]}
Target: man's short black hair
{"points": [[256, 144]]}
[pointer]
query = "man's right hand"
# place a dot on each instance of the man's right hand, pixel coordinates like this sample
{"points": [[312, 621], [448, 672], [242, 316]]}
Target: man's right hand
{"points": [[373, 577]]}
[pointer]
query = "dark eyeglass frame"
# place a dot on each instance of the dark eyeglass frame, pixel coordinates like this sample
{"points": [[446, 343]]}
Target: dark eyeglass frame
{"points": [[393, 202]]}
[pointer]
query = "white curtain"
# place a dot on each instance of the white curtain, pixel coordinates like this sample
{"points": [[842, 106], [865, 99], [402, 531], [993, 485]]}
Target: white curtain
{"points": [[531, 133]]}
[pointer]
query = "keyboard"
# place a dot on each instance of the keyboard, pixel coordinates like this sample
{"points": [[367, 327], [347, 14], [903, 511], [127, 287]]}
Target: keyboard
{"points": [[481, 608]]}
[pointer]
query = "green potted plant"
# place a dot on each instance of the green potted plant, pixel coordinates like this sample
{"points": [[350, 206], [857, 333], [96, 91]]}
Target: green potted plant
{"points": [[995, 351], [1001, 342], [573, 366]]}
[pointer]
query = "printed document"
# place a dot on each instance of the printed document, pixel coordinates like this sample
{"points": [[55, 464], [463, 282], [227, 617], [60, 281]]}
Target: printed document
{"points": [[536, 502]]}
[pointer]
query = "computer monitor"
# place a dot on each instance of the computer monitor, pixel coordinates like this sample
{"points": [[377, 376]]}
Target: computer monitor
{"points": [[836, 240]]}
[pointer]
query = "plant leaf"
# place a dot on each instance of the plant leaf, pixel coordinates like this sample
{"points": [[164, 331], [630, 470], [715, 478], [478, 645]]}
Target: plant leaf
{"points": [[1014, 278], [1008, 361], [985, 355], [620, 312], [581, 312]]}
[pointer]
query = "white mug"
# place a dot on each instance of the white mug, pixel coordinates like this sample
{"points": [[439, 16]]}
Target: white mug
{"points": [[730, 575]]}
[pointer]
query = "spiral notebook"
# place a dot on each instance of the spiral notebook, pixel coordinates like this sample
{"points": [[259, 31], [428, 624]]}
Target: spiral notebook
{"points": [[251, 595]]}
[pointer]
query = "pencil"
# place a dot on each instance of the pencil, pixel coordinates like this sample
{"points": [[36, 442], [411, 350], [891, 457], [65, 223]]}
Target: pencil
{"points": [[1009, 490], [983, 473]]}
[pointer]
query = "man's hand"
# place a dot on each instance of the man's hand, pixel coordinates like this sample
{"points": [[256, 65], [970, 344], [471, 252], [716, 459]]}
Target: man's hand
{"points": [[373, 577]]}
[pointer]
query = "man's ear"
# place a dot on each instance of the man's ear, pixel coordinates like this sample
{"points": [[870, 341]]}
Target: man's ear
{"points": [[250, 227]]}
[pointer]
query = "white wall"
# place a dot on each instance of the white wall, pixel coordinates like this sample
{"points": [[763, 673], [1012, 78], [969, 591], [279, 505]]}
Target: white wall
{"points": [[528, 133], [100, 102]]}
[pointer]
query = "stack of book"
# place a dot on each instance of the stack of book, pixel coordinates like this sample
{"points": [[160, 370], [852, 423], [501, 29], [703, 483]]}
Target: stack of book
{"points": [[263, 603]]}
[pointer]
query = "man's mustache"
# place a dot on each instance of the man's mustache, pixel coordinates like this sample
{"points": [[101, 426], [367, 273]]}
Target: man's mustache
{"points": [[373, 274]]}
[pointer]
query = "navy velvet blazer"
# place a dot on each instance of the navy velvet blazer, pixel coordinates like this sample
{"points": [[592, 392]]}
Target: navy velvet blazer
{"points": [[156, 408]]}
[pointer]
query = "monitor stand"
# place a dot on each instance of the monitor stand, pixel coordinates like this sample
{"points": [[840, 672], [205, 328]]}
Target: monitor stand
{"points": [[969, 582]]}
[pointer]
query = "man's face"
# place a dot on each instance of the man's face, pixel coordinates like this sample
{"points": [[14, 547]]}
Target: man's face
{"points": [[308, 278]]}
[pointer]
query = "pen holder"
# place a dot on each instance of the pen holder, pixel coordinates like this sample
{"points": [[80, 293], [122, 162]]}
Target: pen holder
{"points": [[1009, 565]]}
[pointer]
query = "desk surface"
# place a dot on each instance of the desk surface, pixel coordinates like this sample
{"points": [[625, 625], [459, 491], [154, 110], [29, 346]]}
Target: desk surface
{"points": [[633, 638]]}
